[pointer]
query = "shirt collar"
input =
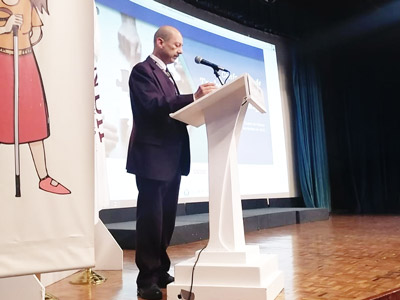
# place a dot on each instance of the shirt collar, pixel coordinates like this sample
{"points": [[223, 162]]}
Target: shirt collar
{"points": [[158, 62]]}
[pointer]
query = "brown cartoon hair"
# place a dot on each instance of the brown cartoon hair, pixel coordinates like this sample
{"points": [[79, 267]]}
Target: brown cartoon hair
{"points": [[40, 5]]}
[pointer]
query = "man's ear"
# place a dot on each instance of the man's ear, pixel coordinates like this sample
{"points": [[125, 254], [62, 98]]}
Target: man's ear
{"points": [[160, 42]]}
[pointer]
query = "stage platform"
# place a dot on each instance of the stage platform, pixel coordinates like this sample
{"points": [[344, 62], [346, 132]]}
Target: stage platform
{"points": [[192, 219], [344, 257]]}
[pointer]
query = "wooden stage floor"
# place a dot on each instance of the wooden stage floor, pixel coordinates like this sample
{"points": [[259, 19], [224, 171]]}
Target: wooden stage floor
{"points": [[345, 257]]}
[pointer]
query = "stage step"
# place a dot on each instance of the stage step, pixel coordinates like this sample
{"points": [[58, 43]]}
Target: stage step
{"points": [[194, 227]]}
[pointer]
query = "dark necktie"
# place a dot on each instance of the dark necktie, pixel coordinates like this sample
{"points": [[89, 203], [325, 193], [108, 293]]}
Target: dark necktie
{"points": [[173, 80]]}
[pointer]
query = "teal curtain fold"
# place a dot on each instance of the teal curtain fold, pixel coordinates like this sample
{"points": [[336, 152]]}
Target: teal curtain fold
{"points": [[312, 161]]}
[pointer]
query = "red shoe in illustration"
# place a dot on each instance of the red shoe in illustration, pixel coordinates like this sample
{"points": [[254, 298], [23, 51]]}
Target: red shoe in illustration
{"points": [[48, 184]]}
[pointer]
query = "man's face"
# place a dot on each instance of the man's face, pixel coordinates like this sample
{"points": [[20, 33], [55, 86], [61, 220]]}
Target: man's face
{"points": [[171, 48]]}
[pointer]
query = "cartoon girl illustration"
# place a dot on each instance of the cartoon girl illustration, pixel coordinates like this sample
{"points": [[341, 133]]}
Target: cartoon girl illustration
{"points": [[33, 121]]}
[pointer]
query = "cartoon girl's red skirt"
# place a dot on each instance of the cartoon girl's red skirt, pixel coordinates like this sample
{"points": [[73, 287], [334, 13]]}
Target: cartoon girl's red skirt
{"points": [[33, 112]]}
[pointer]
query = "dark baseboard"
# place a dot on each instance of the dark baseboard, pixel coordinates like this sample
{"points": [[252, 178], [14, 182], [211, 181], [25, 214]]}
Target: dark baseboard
{"points": [[127, 214], [192, 221]]}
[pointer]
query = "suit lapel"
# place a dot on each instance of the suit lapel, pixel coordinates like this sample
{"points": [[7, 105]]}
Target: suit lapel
{"points": [[165, 83]]}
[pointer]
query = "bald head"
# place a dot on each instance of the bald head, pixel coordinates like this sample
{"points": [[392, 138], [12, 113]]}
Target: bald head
{"points": [[168, 44], [165, 32]]}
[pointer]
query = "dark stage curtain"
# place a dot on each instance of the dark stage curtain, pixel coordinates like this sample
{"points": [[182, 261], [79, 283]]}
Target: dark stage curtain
{"points": [[312, 162], [362, 110]]}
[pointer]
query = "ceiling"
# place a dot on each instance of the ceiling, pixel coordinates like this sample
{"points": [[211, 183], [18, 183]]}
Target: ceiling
{"points": [[296, 19]]}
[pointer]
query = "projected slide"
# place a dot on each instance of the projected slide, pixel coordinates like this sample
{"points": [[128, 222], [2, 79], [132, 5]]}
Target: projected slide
{"points": [[126, 30]]}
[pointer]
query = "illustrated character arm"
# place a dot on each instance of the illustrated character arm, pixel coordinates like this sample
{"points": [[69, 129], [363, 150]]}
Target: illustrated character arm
{"points": [[11, 21], [36, 35], [36, 32]]}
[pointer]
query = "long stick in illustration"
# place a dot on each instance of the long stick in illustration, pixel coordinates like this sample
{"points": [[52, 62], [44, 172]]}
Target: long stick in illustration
{"points": [[16, 113]]}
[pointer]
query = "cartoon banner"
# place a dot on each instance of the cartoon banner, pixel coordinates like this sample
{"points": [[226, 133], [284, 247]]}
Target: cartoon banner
{"points": [[46, 136]]}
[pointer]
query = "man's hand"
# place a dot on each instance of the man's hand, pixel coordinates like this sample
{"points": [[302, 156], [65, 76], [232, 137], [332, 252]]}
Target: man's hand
{"points": [[204, 89]]}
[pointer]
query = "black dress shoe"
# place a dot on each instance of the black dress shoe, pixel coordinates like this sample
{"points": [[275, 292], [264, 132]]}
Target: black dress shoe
{"points": [[152, 292], [164, 281]]}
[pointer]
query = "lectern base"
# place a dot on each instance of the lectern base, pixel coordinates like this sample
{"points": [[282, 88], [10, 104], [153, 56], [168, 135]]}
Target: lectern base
{"points": [[258, 278]]}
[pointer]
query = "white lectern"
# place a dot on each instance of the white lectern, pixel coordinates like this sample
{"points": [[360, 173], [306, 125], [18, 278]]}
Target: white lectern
{"points": [[227, 268]]}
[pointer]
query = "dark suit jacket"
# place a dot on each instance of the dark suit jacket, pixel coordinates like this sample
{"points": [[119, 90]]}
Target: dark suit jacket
{"points": [[159, 145]]}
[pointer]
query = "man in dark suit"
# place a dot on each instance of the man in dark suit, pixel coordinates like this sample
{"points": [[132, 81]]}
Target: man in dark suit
{"points": [[158, 155]]}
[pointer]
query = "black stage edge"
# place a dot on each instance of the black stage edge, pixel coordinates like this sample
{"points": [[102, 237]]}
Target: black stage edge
{"points": [[192, 219]]}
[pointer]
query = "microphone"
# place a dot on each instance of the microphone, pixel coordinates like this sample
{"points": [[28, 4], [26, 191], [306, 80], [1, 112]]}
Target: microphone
{"points": [[202, 61]]}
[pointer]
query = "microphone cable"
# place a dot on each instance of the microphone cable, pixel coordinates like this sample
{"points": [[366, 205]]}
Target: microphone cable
{"points": [[194, 266]]}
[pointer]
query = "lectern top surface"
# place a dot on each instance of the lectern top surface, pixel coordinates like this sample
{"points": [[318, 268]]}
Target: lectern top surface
{"points": [[237, 90]]}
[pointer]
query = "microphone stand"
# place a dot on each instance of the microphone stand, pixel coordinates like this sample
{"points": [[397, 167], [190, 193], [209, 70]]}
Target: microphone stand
{"points": [[217, 75]]}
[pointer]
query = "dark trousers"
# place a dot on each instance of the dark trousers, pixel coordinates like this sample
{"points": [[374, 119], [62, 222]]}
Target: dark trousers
{"points": [[155, 222]]}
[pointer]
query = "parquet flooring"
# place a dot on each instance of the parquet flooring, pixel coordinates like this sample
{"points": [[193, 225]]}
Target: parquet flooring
{"points": [[346, 257]]}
